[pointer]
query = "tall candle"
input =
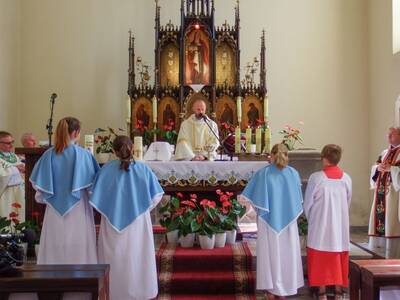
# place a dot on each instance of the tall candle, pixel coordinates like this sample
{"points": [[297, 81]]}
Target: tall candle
{"points": [[248, 140], [266, 111], [237, 140], [128, 109], [154, 109], [267, 137], [138, 147], [258, 140], [89, 142], [239, 108]]}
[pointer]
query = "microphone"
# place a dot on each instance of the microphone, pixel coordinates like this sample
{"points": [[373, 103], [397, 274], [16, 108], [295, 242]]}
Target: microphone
{"points": [[204, 117], [53, 96]]}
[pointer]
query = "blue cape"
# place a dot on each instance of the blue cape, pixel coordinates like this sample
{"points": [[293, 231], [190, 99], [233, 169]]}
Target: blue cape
{"points": [[121, 196], [277, 195], [61, 177]]}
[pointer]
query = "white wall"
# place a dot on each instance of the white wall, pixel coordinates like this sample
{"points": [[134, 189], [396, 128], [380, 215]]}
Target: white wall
{"points": [[9, 63], [317, 70]]}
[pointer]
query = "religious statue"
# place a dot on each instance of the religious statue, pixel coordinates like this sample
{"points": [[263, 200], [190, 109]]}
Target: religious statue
{"points": [[253, 115], [197, 68], [142, 116]]}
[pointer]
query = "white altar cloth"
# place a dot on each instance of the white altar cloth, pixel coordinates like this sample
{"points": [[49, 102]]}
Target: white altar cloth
{"points": [[231, 172]]}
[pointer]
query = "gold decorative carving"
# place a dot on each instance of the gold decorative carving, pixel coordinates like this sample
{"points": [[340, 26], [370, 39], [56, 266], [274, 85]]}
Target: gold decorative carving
{"points": [[169, 65]]}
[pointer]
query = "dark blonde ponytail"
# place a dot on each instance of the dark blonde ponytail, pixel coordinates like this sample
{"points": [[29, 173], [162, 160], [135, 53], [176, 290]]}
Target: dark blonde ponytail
{"points": [[280, 151], [64, 129], [122, 146]]}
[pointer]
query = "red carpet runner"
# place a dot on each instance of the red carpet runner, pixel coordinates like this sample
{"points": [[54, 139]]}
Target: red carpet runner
{"points": [[222, 273]]}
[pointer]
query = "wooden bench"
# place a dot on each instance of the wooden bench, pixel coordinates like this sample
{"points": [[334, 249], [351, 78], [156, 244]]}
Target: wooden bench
{"points": [[367, 276], [51, 281]]}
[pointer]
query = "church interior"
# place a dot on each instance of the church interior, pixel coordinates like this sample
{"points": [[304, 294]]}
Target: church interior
{"points": [[322, 71]]}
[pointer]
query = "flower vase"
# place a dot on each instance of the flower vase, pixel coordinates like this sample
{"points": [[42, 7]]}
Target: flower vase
{"points": [[102, 158], [172, 237], [187, 241], [220, 240], [231, 236], [207, 242]]}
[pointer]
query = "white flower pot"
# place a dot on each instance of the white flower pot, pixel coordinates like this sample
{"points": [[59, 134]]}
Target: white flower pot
{"points": [[172, 237], [206, 242], [231, 236], [220, 240], [187, 241], [37, 250], [102, 158]]}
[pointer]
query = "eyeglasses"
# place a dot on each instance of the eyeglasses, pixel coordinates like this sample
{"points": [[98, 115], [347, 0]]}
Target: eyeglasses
{"points": [[8, 143]]}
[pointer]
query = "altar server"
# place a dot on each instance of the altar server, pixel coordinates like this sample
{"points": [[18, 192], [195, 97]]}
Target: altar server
{"points": [[61, 179], [326, 205], [124, 193], [275, 192]]}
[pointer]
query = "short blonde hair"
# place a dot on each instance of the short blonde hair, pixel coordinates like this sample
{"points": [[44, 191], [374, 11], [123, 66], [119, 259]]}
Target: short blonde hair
{"points": [[281, 155]]}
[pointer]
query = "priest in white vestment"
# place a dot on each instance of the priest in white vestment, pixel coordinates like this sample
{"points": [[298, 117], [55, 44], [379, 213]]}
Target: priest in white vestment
{"points": [[275, 192], [196, 139], [12, 192], [124, 193]]}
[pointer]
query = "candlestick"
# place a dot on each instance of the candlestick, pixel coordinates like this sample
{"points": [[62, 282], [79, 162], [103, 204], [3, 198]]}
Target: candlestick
{"points": [[237, 140], [239, 109], [89, 142], [248, 140], [258, 140], [266, 109], [154, 109]]}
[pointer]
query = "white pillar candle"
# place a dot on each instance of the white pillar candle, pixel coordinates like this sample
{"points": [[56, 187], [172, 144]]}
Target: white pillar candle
{"points": [[237, 140], [267, 148], [239, 109], [128, 110], [258, 140], [89, 142], [248, 140], [266, 110], [138, 148], [154, 109]]}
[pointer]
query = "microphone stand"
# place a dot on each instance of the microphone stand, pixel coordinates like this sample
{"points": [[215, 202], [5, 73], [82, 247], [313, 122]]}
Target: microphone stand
{"points": [[49, 125], [204, 117]]}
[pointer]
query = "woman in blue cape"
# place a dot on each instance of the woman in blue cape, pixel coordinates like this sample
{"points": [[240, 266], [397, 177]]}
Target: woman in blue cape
{"points": [[275, 192], [61, 179], [124, 193]]}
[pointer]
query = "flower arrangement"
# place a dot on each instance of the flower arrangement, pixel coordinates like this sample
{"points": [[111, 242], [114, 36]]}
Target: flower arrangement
{"points": [[302, 225], [169, 133], [104, 139], [291, 136], [205, 217]]}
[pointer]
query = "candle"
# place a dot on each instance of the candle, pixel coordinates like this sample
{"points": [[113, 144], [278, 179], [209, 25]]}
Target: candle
{"points": [[258, 140], [237, 140], [89, 142], [267, 137], [128, 109], [154, 109], [266, 111], [239, 109], [138, 147], [248, 140]]}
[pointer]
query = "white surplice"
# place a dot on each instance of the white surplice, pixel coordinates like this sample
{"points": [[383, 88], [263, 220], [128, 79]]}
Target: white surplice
{"points": [[11, 190], [194, 137], [326, 206], [280, 257], [131, 255]]}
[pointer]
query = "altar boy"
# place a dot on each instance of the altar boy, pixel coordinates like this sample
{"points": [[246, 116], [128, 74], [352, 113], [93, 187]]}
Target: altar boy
{"points": [[326, 205], [124, 193]]}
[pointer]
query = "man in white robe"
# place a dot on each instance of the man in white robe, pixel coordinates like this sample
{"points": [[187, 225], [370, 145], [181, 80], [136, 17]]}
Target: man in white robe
{"points": [[12, 194], [196, 139]]}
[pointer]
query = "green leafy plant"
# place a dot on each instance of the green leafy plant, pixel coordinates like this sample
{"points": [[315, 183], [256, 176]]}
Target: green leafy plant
{"points": [[302, 225], [290, 137], [230, 210]]}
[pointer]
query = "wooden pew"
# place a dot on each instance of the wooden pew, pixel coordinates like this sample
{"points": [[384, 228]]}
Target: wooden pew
{"points": [[367, 276], [51, 281]]}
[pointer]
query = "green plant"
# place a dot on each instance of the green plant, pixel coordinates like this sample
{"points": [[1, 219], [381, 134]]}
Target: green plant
{"points": [[208, 218], [291, 136], [230, 210], [169, 218], [169, 133], [104, 139], [302, 225]]}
